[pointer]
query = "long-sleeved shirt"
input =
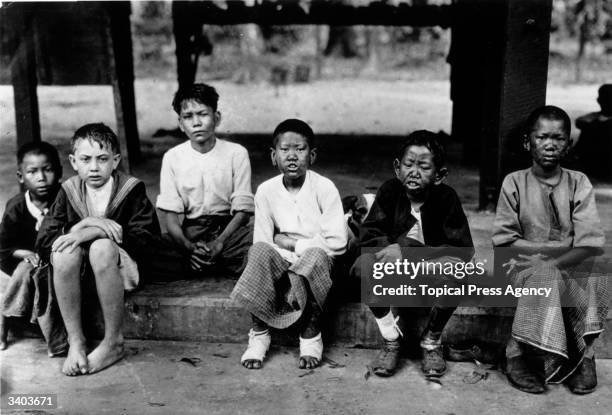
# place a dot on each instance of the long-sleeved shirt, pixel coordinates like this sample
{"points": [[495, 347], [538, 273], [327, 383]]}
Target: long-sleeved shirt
{"points": [[530, 210], [313, 216], [200, 184]]}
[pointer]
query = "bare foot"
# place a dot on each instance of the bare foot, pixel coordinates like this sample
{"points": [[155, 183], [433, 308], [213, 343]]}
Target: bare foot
{"points": [[308, 362], [105, 355], [76, 361], [252, 364]]}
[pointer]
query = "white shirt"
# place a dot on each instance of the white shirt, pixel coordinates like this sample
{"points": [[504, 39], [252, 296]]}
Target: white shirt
{"points": [[416, 232], [98, 199], [199, 184], [313, 216], [38, 214]]}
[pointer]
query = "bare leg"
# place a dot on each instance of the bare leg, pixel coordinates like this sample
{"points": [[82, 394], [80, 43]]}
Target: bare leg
{"points": [[104, 257], [67, 282], [3, 332], [310, 329]]}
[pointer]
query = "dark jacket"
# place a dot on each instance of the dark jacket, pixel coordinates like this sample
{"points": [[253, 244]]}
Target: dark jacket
{"points": [[128, 206], [443, 221]]}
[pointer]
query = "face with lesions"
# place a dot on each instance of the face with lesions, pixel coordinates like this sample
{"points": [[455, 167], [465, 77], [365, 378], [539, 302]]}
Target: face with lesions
{"points": [[94, 162], [417, 170], [293, 155], [38, 175], [198, 121], [548, 142]]}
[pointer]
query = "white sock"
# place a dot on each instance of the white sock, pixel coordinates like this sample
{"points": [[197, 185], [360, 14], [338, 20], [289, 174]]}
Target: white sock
{"points": [[388, 326], [259, 333]]}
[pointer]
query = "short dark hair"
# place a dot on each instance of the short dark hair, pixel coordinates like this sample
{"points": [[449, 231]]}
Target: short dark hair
{"points": [[294, 125], [40, 148], [605, 98], [427, 139], [202, 93], [99, 133], [548, 112]]}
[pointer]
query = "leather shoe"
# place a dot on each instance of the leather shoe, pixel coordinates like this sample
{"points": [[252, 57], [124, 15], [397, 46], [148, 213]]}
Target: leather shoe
{"points": [[522, 377], [584, 378]]}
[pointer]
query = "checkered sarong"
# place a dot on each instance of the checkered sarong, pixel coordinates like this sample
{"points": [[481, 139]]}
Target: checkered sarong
{"points": [[576, 307], [275, 290]]}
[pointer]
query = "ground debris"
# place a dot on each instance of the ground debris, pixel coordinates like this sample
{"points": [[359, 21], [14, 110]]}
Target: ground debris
{"points": [[193, 361], [368, 373], [157, 404], [332, 364], [481, 372], [310, 372], [434, 382], [221, 355]]}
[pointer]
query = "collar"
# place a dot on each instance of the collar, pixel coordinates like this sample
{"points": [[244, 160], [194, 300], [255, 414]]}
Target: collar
{"points": [[37, 213]]}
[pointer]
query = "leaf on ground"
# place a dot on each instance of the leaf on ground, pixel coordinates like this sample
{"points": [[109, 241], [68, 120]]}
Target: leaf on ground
{"points": [[476, 376], [193, 361], [221, 355], [332, 364], [310, 372], [368, 373]]}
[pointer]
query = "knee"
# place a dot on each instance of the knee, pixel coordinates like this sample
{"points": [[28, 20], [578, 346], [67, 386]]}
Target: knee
{"points": [[260, 249], [103, 253], [66, 260], [363, 266], [317, 254]]}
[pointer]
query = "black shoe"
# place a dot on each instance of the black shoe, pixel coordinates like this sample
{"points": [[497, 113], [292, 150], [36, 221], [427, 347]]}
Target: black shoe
{"points": [[387, 359], [584, 378], [521, 376], [433, 363]]}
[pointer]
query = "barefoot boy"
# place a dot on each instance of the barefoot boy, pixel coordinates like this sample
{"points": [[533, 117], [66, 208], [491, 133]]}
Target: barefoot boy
{"points": [[39, 172], [208, 181], [299, 229], [548, 214], [101, 221], [414, 209]]}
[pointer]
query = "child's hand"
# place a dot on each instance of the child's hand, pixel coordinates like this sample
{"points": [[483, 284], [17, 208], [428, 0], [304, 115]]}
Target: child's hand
{"points": [[69, 242], [112, 229], [200, 256], [391, 253], [32, 259], [285, 241], [213, 248]]}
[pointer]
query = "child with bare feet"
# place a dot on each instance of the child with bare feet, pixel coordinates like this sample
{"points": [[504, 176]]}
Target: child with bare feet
{"points": [[39, 172], [101, 223], [299, 230]]}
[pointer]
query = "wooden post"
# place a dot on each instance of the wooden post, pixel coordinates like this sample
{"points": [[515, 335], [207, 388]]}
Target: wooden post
{"points": [[23, 76], [122, 79], [515, 85]]}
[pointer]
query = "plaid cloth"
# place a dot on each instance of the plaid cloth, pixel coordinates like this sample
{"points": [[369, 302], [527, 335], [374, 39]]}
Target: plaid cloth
{"points": [[577, 307], [275, 290]]}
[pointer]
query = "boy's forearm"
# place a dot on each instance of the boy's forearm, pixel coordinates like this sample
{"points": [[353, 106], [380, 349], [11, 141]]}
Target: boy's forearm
{"points": [[22, 253], [91, 233], [545, 248], [239, 219], [173, 226], [574, 257]]}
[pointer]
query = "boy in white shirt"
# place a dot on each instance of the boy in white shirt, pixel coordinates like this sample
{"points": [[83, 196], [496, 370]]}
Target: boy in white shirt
{"points": [[208, 181], [299, 230]]}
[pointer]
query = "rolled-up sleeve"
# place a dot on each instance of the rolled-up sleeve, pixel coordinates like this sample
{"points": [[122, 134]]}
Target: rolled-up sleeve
{"points": [[507, 227], [169, 198], [241, 199], [333, 236]]}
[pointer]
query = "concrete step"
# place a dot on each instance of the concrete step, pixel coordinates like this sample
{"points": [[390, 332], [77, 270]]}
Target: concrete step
{"points": [[202, 311]]}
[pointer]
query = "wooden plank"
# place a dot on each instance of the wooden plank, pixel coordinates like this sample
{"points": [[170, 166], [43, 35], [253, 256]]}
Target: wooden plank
{"points": [[515, 85], [23, 76], [121, 69]]}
